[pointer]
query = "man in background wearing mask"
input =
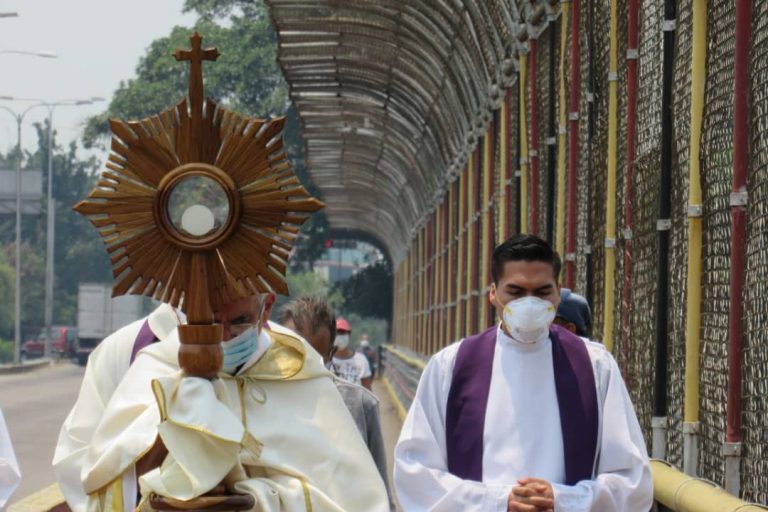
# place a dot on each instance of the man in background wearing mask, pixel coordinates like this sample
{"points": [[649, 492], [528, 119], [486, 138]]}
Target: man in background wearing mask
{"points": [[525, 416], [271, 425], [573, 313], [314, 320], [346, 363]]}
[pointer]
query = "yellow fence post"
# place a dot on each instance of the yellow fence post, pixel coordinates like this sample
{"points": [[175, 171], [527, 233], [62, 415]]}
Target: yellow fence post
{"points": [[695, 211]]}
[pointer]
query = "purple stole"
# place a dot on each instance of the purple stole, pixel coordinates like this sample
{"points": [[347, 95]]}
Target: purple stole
{"points": [[468, 400], [145, 338]]}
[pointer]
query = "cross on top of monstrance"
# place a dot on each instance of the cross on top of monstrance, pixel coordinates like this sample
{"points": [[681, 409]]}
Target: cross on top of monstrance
{"points": [[198, 207]]}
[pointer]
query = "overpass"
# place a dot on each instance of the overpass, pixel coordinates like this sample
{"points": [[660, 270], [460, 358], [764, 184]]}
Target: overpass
{"points": [[630, 134]]}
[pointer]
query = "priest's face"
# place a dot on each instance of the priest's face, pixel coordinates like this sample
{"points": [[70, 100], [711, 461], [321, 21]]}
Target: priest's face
{"points": [[524, 279], [238, 316]]}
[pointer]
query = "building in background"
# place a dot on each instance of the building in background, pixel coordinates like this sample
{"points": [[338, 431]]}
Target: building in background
{"points": [[344, 258]]}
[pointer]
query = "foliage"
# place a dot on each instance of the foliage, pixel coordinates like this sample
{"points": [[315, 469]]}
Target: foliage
{"points": [[7, 283], [377, 329], [6, 351], [369, 292], [308, 284], [33, 289], [79, 254], [245, 78], [222, 8]]}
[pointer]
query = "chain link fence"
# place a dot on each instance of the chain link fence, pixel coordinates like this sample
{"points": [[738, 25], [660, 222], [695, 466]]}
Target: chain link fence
{"points": [[636, 299]]}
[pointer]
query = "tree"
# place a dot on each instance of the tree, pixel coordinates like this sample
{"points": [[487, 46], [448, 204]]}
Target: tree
{"points": [[369, 292], [302, 284], [245, 78], [79, 254]]}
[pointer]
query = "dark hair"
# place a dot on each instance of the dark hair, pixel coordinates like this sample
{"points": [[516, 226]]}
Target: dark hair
{"points": [[523, 248], [309, 314]]}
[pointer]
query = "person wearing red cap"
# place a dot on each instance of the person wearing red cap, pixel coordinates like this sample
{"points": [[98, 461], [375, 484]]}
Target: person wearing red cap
{"points": [[346, 363]]}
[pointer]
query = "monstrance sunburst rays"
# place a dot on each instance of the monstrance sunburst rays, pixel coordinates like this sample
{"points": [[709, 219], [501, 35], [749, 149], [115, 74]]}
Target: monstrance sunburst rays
{"points": [[267, 202]]}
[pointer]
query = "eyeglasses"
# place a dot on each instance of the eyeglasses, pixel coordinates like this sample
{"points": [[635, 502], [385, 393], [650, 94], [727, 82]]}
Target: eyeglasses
{"points": [[238, 329]]}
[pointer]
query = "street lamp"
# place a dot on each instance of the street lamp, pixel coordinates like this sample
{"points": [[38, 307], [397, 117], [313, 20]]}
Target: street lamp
{"points": [[44, 54], [50, 217]]}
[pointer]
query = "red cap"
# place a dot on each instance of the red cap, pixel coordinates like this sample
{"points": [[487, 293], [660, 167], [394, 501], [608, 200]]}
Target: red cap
{"points": [[343, 325]]}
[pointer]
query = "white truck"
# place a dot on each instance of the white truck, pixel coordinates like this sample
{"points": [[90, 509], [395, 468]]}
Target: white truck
{"points": [[99, 315]]}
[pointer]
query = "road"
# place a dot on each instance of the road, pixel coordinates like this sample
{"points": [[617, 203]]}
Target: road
{"points": [[34, 405]]}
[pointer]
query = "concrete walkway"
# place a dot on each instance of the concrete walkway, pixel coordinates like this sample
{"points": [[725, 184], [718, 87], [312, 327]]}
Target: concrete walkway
{"points": [[390, 425]]}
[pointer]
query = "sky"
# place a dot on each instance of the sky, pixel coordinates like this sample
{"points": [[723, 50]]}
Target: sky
{"points": [[98, 43]]}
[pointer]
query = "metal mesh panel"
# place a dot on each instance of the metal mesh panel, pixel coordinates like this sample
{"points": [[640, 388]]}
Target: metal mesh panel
{"points": [[514, 156], [678, 254], [542, 82], [583, 185], [600, 63], [622, 345], [755, 356], [716, 183], [645, 201]]}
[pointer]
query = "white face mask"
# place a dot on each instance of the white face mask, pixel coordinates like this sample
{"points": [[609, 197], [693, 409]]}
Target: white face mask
{"points": [[341, 341], [527, 320]]}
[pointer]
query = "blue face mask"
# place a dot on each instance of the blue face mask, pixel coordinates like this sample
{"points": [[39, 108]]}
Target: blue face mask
{"points": [[239, 349]]}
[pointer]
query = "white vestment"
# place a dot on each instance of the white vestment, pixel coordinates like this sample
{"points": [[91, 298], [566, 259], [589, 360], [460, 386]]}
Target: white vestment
{"points": [[278, 430], [10, 475], [522, 437], [106, 367]]}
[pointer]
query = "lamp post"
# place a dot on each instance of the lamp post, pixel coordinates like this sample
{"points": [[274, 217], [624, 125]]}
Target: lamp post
{"points": [[51, 221], [19, 118], [43, 54]]}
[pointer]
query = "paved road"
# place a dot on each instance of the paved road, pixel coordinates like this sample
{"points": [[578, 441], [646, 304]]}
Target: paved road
{"points": [[34, 405]]}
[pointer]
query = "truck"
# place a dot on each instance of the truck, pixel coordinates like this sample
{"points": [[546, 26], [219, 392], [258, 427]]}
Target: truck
{"points": [[99, 315]]}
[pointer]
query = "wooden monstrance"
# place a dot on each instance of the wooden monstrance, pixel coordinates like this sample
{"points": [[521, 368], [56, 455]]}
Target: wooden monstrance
{"points": [[198, 207]]}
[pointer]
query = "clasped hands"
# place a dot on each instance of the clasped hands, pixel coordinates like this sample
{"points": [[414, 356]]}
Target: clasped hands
{"points": [[531, 495]]}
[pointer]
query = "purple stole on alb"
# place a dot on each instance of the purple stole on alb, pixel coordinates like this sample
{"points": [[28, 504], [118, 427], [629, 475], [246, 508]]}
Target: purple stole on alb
{"points": [[468, 400], [144, 338]]}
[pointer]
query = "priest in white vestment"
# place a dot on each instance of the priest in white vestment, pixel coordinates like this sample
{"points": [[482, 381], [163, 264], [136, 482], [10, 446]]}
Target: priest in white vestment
{"points": [[10, 475], [272, 425], [107, 365], [542, 421]]}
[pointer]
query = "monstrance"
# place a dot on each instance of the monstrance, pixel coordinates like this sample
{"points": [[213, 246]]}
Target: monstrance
{"points": [[198, 207]]}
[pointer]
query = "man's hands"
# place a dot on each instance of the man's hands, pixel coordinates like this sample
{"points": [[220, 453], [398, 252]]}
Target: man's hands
{"points": [[531, 495], [152, 459]]}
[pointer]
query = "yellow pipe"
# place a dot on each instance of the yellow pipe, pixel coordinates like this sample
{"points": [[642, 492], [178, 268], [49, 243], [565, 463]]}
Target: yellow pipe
{"points": [[449, 295], [410, 304], [610, 203], [423, 290], [401, 412], [418, 363], [693, 305], [462, 265], [561, 135], [502, 140], [437, 280], [485, 272], [682, 493], [396, 305], [523, 66], [468, 245]]}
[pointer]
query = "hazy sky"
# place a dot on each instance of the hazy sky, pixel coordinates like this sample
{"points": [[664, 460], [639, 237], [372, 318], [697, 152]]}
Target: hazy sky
{"points": [[98, 43]]}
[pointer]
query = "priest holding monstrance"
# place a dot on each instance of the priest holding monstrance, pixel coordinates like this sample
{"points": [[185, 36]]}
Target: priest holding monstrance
{"points": [[199, 208]]}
